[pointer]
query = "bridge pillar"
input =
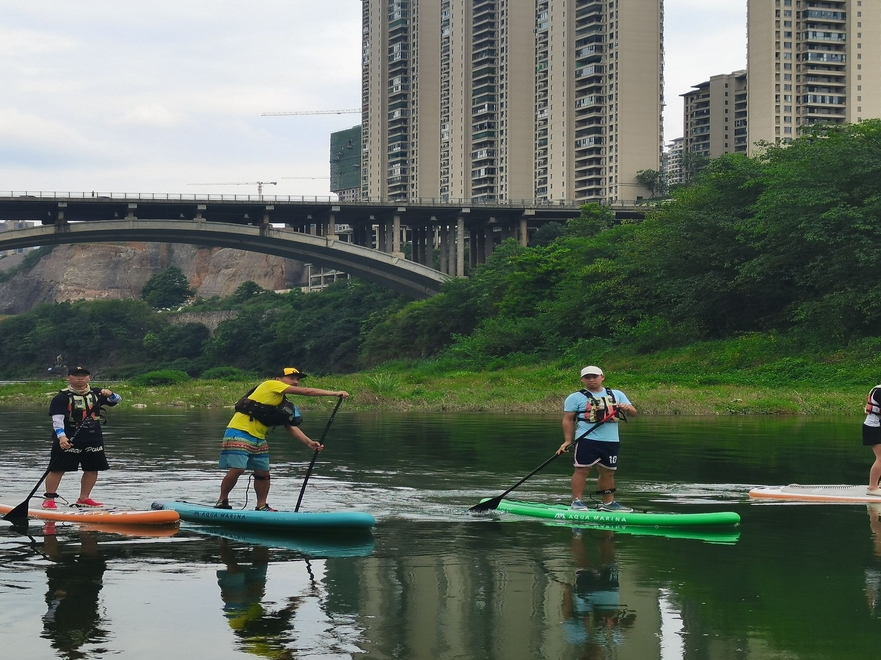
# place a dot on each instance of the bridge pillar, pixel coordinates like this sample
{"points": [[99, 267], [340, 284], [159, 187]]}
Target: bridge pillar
{"points": [[132, 207], [396, 235], [524, 232], [489, 245], [460, 246], [331, 222]]}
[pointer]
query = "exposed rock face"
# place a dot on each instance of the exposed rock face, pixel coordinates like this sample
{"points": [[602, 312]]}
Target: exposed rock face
{"points": [[103, 271]]}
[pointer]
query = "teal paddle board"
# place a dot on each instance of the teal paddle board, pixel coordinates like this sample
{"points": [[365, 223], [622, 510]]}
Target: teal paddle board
{"points": [[562, 513], [269, 520]]}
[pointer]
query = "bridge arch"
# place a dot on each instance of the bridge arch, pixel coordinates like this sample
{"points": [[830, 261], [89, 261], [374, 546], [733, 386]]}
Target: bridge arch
{"points": [[409, 278]]}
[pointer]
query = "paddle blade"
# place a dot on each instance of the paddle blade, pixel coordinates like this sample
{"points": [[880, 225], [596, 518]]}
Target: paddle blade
{"points": [[487, 505], [18, 514]]}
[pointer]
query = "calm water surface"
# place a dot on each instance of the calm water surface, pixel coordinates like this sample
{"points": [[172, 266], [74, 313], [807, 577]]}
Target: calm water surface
{"points": [[794, 581]]}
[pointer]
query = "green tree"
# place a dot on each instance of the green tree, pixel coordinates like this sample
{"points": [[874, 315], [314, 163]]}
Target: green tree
{"points": [[167, 288], [651, 179]]}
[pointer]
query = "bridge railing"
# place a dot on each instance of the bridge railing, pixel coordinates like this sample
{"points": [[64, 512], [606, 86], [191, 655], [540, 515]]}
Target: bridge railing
{"points": [[213, 197]]}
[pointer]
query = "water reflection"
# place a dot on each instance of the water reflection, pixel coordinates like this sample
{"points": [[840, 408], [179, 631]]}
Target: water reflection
{"points": [[261, 629], [594, 617], [74, 578]]}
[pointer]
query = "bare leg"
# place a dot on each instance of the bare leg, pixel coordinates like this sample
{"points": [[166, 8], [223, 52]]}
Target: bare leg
{"points": [[261, 487], [229, 482], [606, 481], [579, 479], [874, 473], [53, 480], [87, 483]]}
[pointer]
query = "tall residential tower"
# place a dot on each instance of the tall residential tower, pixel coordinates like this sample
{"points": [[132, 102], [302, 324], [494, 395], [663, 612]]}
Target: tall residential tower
{"points": [[810, 61], [494, 100]]}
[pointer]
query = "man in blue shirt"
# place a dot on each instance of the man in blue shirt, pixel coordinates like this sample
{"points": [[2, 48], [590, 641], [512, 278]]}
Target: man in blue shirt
{"points": [[590, 422]]}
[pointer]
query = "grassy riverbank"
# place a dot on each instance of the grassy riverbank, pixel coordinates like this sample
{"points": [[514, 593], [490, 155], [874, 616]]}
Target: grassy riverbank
{"points": [[756, 374]]}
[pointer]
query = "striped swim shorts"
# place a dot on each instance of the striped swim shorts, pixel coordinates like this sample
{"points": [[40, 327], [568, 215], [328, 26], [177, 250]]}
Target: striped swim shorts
{"points": [[243, 451]]}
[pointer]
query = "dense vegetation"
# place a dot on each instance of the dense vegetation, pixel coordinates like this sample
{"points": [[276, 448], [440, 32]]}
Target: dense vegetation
{"points": [[777, 251]]}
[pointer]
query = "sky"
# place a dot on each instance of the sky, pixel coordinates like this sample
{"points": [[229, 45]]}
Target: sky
{"points": [[167, 97]]}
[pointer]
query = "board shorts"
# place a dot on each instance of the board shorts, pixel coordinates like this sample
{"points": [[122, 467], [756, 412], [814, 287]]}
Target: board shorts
{"points": [[91, 459], [596, 452], [242, 451], [871, 435]]}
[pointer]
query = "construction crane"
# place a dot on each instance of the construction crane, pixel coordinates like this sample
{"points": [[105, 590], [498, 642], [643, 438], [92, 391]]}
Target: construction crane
{"points": [[313, 112], [259, 184]]}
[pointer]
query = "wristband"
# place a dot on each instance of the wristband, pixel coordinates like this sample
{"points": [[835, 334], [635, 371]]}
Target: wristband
{"points": [[60, 432]]}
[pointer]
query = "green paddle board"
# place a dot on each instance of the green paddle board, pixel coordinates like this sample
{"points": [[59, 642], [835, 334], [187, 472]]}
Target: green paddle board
{"points": [[562, 513]]}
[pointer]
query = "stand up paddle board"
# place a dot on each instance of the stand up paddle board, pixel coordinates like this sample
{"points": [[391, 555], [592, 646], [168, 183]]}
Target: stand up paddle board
{"points": [[815, 493], [277, 520], [561, 512], [101, 516]]}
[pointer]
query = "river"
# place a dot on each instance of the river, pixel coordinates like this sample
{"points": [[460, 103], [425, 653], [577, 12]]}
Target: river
{"points": [[433, 582]]}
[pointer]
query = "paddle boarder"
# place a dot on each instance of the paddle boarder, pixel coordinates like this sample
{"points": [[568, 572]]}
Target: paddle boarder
{"points": [[872, 437], [590, 418], [76, 436], [244, 442]]}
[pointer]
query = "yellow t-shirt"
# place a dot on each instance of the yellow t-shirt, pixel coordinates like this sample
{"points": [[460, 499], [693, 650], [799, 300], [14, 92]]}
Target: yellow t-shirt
{"points": [[268, 392]]}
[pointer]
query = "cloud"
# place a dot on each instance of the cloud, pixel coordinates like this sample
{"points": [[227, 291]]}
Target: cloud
{"points": [[152, 114]]}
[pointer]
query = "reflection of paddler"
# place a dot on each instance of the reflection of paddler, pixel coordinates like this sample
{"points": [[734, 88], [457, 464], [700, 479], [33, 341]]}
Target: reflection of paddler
{"points": [[873, 573], [74, 583], [593, 613], [242, 587]]}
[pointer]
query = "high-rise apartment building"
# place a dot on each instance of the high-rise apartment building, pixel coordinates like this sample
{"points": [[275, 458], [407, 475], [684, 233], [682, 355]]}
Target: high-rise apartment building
{"points": [[810, 61], [499, 100], [715, 116]]}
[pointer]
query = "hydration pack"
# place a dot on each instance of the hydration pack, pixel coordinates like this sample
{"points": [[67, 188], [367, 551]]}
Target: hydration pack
{"points": [[284, 414]]}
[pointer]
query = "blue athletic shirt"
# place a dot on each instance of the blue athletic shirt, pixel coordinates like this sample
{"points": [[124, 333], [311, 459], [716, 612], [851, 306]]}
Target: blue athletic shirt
{"points": [[577, 403]]}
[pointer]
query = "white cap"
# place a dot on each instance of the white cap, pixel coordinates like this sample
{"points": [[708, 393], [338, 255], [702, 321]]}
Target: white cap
{"points": [[591, 370]]}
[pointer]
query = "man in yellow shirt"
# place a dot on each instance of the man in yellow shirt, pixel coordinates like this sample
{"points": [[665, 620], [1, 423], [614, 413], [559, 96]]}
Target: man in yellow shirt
{"points": [[244, 442]]}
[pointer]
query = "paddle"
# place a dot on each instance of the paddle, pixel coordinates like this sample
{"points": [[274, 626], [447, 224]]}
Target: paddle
{"points": [[315, 455], [20, 512], [493, 503]]}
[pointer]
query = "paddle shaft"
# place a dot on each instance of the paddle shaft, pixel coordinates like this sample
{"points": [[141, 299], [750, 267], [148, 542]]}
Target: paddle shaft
{"points": [[21, 511], [315, 454], [495, 501]]}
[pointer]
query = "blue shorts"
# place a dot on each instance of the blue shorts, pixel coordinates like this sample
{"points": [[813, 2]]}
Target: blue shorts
{"points": [[242, 451], [596, 452]]}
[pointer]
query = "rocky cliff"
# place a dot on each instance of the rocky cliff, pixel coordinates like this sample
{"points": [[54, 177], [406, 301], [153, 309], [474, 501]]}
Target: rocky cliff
{"points": [[105, 271]]}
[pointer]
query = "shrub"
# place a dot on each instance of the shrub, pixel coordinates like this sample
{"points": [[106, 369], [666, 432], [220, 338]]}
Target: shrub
{"points": [[224, 373], [161, 377]]}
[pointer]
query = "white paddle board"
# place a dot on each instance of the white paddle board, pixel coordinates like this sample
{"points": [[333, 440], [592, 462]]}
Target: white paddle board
{"points": [[815, 493]]}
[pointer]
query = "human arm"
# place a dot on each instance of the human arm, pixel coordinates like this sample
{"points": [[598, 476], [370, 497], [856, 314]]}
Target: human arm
{"points": [[297, 434], [568, 432], [110, 398], [60, 432], [314, 391]]}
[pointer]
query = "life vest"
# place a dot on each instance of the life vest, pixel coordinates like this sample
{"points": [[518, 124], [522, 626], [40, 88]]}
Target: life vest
{"points": [[872, 408], [596, 409], [284, 414], [81, 407]]}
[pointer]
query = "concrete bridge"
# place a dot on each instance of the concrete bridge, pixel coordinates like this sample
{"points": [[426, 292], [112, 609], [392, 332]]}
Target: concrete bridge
{"points": [[364, 238]]}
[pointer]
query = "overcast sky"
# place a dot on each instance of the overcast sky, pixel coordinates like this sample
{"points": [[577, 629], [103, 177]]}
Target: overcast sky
{"points": [[153, 96]]}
